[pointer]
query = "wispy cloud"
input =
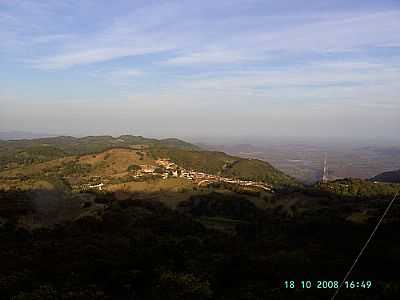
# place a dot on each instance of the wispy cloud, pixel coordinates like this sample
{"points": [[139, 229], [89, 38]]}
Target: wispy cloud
{"points": [[210, 56], [306, 75], [330, 34], [233, 38], [335, 33], [126, 73], [92, 56], [121, 77]]}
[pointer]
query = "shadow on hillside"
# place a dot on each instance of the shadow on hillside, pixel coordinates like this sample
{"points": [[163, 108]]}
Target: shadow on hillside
{"points": [[39, 207], [133, 246], [49, 207]]}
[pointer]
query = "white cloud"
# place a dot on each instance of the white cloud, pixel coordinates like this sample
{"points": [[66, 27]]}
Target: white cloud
{"points": [[296, 76], [122, 77], [92, 56], [209, 56], [124, 73], [335, 33]]}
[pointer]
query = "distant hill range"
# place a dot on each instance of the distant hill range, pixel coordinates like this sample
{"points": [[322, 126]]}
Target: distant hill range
{"points": [[391, 176], [17, 135], [92, 144]]}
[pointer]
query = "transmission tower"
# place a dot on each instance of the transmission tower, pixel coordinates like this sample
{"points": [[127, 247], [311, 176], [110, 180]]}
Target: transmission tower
{"points": [[325, 171]]}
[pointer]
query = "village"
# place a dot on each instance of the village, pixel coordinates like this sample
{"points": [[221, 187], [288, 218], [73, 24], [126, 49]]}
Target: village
{"points": [[168, 169]]}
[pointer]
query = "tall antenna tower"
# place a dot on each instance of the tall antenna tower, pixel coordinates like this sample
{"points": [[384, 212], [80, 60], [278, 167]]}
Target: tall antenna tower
{"points": [[325, 171]]}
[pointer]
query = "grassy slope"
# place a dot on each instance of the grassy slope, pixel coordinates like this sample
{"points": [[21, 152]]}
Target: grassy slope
{"points": [[109, 164], [22, 152]]}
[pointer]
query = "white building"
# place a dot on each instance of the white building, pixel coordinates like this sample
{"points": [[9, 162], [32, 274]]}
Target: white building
{"points": [[97, 186]]}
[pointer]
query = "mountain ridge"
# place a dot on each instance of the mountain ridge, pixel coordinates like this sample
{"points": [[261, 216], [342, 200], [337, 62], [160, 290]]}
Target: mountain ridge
{"points": [[389, 176]]}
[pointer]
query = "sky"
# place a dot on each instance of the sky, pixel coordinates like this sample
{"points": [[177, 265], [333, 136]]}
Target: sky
{"points": [[287, 68]]}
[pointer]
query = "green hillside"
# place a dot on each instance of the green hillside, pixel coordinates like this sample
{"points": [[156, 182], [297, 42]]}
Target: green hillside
{"points": [[23, 153], [358, 188], [258, 170], [205, 161], [219, 163], [177, 143]]}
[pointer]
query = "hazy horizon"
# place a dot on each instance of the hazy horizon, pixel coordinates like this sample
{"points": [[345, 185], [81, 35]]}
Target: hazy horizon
{"points": [[210, 140], [321, 69]]}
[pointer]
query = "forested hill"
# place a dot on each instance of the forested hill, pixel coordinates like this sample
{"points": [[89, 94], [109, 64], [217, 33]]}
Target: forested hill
{"points": [[391, 176]]}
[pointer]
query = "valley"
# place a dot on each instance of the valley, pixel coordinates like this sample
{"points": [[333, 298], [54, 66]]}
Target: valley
{"points": [[304, 159]]}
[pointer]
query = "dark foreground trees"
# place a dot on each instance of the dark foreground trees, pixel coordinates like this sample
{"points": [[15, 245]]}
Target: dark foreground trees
{"points": [[138, 249]]}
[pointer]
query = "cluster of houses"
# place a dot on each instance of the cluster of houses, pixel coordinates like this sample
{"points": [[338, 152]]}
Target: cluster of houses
{"points": [[166, 169], [170, 168]]}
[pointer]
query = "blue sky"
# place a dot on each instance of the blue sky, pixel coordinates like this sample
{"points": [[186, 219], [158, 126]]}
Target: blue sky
{"points": [[201, 68]]}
